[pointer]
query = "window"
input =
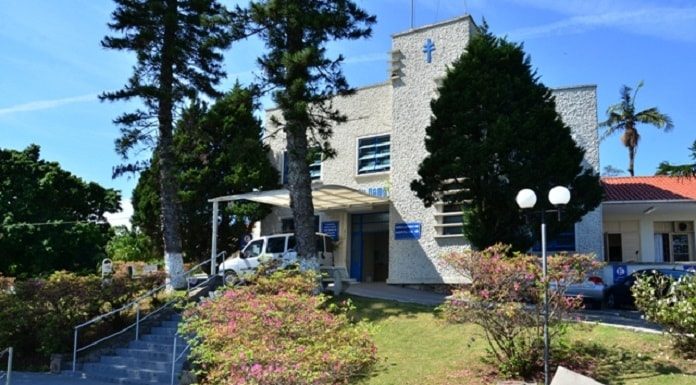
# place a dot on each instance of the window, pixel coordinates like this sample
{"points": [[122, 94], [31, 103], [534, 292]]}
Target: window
{"points": [[253, 249], [450, 220], [612, 248], [275, 245], [288, 225], [314, 167], [374, 154]]}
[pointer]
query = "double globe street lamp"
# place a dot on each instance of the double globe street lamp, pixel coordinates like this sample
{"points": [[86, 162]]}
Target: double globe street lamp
{"points": [[526, 199]]}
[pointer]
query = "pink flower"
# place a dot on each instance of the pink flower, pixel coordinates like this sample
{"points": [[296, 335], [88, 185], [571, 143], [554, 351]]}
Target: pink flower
{"points": [[256, 369]]}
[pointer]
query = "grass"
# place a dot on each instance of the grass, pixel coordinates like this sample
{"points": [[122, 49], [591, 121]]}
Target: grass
{"points": [[416, 347]]}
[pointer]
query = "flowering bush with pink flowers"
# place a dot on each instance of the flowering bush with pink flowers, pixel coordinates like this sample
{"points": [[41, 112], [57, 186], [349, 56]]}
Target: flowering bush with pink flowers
{"points": [[505, 298], [277, 332]]}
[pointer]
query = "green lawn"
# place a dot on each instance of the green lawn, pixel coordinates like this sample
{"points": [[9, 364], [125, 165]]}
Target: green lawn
{"points": [[416, 347]]}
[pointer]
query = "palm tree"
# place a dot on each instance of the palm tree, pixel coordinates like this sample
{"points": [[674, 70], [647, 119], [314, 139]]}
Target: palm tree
{"points": [[623, 117], [679, 170]]}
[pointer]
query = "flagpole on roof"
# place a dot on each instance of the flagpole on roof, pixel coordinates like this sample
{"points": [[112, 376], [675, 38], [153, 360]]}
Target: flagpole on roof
{"points": [[411, 14]]}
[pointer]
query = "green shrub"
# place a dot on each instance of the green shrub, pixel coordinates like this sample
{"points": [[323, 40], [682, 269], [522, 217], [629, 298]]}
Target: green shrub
{"points": [[672, 305], [276, 332], [505, 298], [37, 316], [130, 246]]}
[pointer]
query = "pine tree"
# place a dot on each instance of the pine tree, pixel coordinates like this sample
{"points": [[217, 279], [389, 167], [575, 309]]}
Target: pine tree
{"points": [[217, 152], [494, 131], [177, 46], [304, 81]]}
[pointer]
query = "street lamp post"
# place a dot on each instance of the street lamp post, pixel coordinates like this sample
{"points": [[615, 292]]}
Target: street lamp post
{"points": [[526, 199]]}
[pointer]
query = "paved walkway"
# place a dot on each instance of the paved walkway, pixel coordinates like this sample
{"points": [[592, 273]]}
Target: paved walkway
{"points": [[22, 378], [380, 290]]}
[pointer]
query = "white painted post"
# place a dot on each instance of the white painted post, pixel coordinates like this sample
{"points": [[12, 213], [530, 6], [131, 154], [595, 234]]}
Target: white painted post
{"points": [[213, 247]]}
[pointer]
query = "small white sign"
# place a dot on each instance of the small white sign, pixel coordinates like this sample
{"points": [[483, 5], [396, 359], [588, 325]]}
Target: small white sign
{"points": [[149, 269], [107, 266]]}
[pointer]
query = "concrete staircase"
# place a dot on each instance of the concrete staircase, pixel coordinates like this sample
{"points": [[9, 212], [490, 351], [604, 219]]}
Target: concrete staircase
{"points": [[147, 361]]}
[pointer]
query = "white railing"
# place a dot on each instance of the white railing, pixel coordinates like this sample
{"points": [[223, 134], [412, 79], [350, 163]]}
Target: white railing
{"points": [[8, 374], [176, 358], [135, 304]]}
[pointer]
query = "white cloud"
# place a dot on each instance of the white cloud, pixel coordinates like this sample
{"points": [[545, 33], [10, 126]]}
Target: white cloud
{"points": [[46, 104], [121, 218], [666, 22]]}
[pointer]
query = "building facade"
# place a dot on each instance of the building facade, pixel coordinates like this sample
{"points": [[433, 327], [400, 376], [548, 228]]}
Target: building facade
{"points": [[399, 240]]}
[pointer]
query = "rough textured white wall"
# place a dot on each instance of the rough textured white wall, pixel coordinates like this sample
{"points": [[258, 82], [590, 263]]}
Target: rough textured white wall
{"points": [[578, 109], [369, 113], [417, 261]]}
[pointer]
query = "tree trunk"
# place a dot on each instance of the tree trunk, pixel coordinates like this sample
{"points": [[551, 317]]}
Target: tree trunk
{"points": [[300, 187], [297, 120], [631, 158], [171, 232]]}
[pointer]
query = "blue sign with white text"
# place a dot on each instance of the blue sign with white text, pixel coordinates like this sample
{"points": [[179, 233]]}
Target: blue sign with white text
{"points": [[620, 271], [408, 230], [331, 229]]}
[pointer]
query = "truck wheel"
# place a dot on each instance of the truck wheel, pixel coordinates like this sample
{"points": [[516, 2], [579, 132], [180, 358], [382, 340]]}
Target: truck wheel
{"points": [[231, 278]]}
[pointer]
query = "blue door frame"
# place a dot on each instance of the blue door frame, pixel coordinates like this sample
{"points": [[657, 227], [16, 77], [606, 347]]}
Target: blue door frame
{"points": [[357, 257]]}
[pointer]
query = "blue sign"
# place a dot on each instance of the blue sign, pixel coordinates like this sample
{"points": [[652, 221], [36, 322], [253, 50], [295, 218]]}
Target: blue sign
{"points": [[408, 230], [380, 192], [331, 229], [620, 271], [428, 49], [691, 268]]}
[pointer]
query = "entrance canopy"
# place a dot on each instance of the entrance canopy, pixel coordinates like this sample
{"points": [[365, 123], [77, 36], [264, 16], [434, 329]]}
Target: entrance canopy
{"points": [[324, 197]]}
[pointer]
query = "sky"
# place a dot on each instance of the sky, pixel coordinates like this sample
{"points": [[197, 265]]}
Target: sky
{"points": [[52, 68]]}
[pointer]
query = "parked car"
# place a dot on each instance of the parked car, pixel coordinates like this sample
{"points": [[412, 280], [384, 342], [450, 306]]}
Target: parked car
{"points": [[592, 290], [619, 294], [279, 247]]}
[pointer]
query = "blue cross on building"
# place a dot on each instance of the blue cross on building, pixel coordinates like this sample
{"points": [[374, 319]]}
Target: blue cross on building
{"points": [[428, 49]]}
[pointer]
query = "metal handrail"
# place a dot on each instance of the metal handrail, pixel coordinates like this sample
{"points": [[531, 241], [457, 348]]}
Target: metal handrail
{"points": [[8, 374], [136, 303], [175, 359]]}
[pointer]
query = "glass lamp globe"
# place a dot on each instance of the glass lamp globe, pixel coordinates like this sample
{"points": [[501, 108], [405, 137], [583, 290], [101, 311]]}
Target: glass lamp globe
{"points": [[559, 195], [526, 198]]}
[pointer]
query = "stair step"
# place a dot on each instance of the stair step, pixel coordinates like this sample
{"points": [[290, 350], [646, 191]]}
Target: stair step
{"points": [[157, 346], [146, 354], [82, 376], [170, 324], [162, 339], [164, 330], [123, 371], [126, 380], [132, 362]]}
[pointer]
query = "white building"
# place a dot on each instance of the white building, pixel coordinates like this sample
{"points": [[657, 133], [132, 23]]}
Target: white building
{"points": [[393, 237]]}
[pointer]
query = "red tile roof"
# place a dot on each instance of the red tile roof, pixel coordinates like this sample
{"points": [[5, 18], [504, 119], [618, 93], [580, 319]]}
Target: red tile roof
{"points": [[648, 188]]}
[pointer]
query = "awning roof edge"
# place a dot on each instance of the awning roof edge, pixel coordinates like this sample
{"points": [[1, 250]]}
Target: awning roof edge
{"points": [[324, 197]]}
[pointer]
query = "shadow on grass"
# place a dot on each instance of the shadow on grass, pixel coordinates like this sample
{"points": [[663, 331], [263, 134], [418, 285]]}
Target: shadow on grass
{"points": [[375, 310], [614, 366]]}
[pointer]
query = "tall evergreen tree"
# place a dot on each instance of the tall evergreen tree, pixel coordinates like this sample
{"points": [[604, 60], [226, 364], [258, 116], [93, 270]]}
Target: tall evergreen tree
{"points": [[304, 81], [218, 151], [177, 45], [494, 131], [623, 117]]}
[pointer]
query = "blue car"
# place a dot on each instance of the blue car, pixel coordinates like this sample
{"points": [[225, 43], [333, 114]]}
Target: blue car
{"points": [[619, 294]]}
